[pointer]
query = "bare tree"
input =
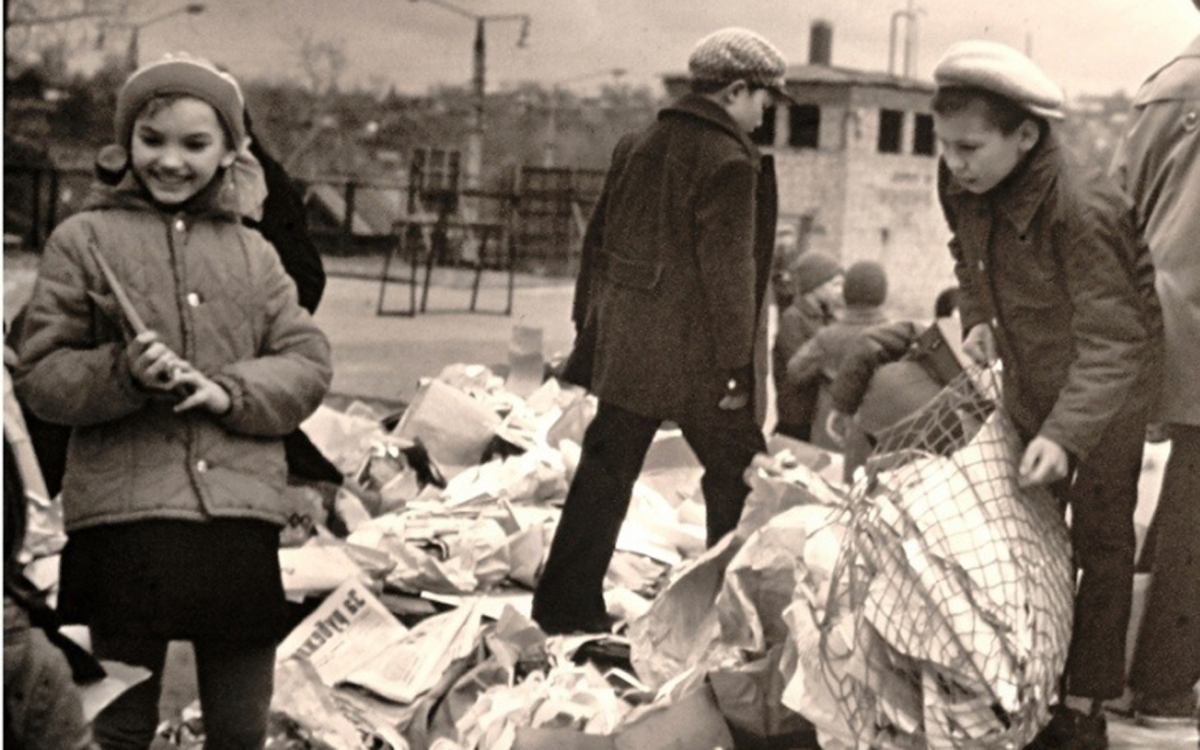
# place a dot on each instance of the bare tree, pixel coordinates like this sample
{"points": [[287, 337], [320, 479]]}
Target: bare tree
{"points": [[32, 26], [321, 63]]}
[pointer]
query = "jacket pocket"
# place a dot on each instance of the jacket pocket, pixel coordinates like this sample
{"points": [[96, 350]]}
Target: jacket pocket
{"points": [[108, 322], [638, 274]]}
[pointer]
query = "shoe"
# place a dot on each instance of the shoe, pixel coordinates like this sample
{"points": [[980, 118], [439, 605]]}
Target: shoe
{"points": [[1072, 730], [1173, 710]]}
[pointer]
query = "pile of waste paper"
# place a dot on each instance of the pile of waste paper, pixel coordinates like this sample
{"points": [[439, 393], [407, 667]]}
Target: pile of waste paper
{"points": [[925, 606]]}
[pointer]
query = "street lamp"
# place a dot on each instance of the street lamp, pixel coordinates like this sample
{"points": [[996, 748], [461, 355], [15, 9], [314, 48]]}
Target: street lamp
{"points": [[475, 142], [131, 55], [548, 156]]}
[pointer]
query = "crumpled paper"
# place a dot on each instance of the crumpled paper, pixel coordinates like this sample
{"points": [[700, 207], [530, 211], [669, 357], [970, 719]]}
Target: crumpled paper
{"points": [[455, 427]]}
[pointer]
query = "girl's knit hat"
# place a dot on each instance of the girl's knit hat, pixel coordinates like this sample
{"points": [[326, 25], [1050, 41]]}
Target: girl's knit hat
{"points": [[190, 76], [244, 189], [812, 270], [866, 285]]}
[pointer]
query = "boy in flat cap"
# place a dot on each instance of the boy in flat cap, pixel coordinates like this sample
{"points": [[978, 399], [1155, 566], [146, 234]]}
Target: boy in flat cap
{"points": [[667, 311], [1158, 164], [1057, 283]]}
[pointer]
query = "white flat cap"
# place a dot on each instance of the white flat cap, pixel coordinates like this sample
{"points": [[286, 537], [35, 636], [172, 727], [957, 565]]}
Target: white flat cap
{"points": [[1002, 70]]}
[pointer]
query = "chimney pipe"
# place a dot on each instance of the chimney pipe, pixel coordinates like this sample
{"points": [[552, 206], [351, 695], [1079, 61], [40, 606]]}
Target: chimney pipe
{"points": [[820, 43]]}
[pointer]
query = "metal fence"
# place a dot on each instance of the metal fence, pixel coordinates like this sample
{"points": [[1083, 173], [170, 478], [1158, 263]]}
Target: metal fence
{"points": [[430, 250]]}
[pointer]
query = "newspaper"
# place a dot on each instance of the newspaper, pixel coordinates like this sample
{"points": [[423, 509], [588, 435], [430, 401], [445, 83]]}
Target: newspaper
{"points": [[411, 666], [349, 629]]}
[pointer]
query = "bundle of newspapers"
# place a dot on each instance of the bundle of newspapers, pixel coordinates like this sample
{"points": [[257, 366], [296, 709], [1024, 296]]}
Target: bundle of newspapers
{"points": [[947, 615]]}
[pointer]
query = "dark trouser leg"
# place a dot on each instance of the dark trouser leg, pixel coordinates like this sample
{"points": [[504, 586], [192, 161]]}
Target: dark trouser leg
{"points": [[1103, 498], [798, 431], [1167, 657], [725, 451], [235, 679], [570, 592], [129, 722]]}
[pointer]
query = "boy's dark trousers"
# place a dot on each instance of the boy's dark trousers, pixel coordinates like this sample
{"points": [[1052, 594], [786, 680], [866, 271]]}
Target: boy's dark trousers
{"points": [[1102, 498], [235, 681], [570, 595]]}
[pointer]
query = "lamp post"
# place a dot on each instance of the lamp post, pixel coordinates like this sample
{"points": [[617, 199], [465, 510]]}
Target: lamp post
{"points": [[474, 165], [548, 156], [131, 55]]}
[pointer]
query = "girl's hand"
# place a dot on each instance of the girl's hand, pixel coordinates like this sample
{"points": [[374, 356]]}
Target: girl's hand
{"points": [[204, 392], [151, 363]]}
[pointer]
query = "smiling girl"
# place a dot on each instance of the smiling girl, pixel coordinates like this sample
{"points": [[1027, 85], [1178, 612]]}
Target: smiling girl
{"points": [[175, 469]]}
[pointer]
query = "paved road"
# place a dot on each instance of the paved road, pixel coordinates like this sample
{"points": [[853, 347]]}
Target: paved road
{"points": [[384, 356]]}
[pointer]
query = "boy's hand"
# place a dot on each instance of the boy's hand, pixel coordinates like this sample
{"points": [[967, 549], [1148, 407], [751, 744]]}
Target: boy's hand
{"points": [[204, 393], [737, 388], [1044, 462], [980, 345], [151, 363]]}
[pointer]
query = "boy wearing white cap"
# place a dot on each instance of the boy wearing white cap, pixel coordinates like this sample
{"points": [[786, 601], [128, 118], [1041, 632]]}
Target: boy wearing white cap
{"points": [[1158, 164], [669, 312], [1056, 282]]}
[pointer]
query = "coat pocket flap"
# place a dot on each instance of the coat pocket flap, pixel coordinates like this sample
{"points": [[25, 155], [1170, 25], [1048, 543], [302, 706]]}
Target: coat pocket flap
{"points": [[638, 274]]}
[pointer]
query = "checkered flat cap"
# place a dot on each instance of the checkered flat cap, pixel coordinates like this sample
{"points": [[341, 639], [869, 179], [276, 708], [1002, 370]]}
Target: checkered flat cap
{"points": [[1002, 70], [733, 53]]}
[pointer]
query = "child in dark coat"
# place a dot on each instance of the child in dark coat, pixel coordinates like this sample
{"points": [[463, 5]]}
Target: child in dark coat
{"points": [[816, 363], [816, 294], [1056, 282]]}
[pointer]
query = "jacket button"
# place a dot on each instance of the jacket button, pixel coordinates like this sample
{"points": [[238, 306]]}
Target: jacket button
{"points": [[202, 466], [193, 299], [179, 225], [995, 322], [982, 265]]}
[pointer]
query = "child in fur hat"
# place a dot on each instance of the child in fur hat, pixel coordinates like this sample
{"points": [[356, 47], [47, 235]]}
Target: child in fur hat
{"points": [[168, 336]]}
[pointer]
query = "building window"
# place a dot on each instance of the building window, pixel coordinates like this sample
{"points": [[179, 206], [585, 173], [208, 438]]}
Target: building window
{"points": [[764, 135], [923, 137], [804, 126], [891, 124], [435, 169]]}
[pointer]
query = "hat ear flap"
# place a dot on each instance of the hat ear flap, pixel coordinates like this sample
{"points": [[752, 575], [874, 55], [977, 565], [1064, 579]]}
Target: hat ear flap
{"points": [[112, 161]]}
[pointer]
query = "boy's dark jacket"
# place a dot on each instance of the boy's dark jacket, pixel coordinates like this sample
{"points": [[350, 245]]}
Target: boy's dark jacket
{"points": [[216, 293], [1052, 259], [798, 324], [676, 261]]}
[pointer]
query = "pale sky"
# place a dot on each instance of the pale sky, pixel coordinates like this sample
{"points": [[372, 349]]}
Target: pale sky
{"points": [[1088, 46]]}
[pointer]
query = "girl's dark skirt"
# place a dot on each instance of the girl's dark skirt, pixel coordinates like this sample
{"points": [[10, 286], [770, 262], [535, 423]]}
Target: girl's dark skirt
{"points": [[177, 580]]}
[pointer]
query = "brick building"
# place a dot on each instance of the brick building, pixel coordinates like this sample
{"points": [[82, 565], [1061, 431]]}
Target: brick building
{"points": [[856, 162]]}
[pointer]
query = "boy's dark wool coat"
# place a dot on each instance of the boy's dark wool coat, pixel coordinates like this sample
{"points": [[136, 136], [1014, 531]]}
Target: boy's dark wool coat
{"points": [[1053, 260], [670, 297]]}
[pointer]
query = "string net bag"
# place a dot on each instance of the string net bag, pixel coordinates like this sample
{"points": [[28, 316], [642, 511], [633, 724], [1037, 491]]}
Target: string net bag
{"points": [[949, 610]]}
